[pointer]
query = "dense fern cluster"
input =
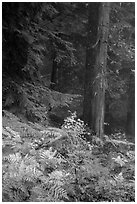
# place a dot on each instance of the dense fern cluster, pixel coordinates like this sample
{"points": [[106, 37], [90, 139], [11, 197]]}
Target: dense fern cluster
{"points": [[33, 176], [65, 170]]}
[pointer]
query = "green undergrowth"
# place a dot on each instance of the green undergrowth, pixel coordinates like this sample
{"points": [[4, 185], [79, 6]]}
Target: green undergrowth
{"points": [[54, 165]]}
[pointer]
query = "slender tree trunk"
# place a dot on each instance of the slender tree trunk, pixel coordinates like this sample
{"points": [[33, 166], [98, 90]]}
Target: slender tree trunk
{"points": [[92, 36], [130, 124], [54, 73], [100, 69]]}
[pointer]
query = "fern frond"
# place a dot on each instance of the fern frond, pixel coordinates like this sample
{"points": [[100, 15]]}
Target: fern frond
{"points": [[13, 158], [57, 175], [47, 154], [57, 192]]}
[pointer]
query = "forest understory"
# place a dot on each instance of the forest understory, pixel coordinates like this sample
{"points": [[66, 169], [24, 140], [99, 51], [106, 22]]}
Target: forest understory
{"points": [[68, 102], [56, 160]]}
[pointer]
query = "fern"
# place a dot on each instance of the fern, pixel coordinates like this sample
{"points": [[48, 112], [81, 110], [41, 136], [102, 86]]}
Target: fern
{"points": [[57, 192], [47, 174]]}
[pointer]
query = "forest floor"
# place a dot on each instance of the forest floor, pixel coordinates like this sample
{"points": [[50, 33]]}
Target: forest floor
{"points": [[52, 161]]}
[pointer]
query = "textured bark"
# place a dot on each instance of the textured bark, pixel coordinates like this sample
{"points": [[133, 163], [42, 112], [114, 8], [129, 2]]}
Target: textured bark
{"points": [[96, 62], [93, 18], [100, 69]]}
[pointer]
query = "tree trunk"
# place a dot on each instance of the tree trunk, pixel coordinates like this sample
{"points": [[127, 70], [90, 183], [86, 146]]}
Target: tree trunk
{"points": [[96, 62], [92, 36], [130, 124], [100, 69], [54, 73]]}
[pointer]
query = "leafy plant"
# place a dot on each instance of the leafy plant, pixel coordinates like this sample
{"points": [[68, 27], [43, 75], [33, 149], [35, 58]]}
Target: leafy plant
{"points": [[47, 174], [76, 127]]}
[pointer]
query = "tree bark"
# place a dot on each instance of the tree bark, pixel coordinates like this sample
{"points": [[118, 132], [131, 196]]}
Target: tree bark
{"points": [[92, 36], [100, 69], [130, 124], [96, 62]]}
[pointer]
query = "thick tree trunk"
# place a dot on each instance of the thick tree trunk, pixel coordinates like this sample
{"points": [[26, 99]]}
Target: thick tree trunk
{"points": [[100, 69], [93, 16], [96, 62]]}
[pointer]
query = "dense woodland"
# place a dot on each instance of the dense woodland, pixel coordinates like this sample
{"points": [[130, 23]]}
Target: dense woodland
{"points": [[68, 101]]}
